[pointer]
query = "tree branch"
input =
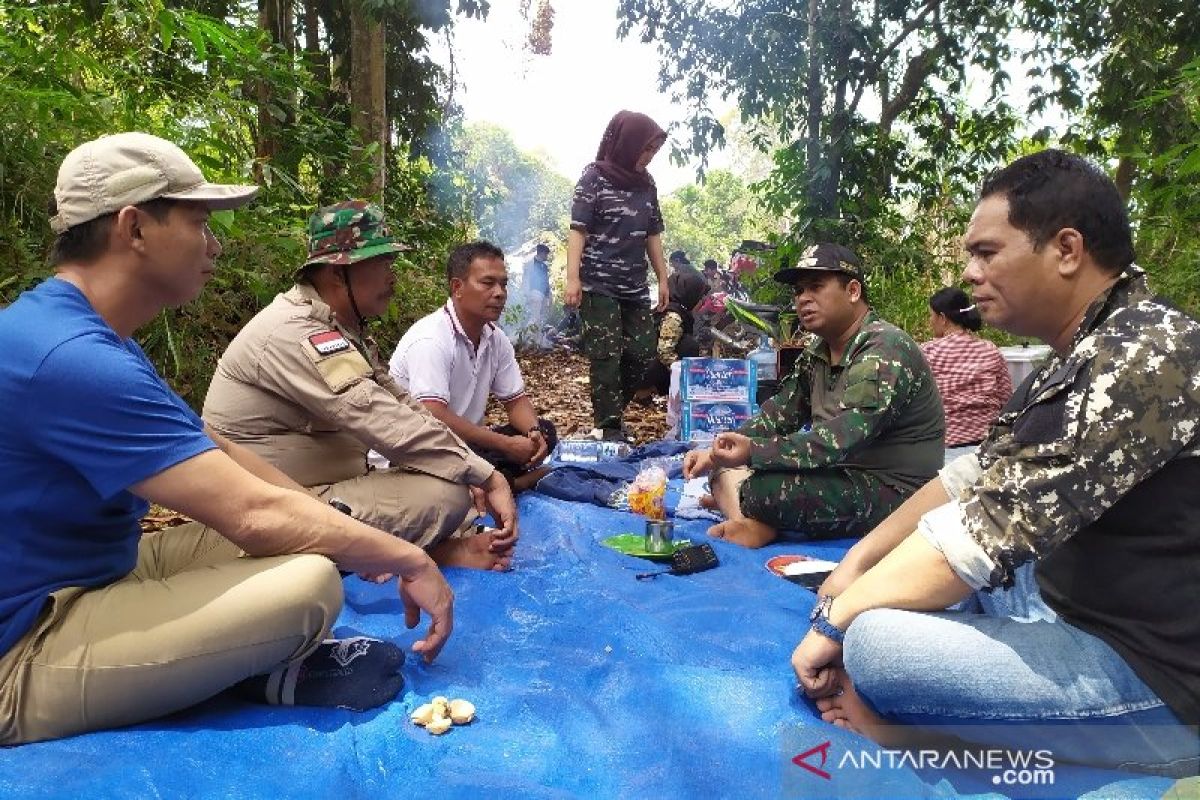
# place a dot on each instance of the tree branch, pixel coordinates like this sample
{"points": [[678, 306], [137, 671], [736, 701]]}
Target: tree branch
{"points": [[872, 69]]}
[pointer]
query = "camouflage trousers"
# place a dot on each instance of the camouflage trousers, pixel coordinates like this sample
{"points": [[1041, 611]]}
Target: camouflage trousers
{"points": [[618, 339], [814, 504]]}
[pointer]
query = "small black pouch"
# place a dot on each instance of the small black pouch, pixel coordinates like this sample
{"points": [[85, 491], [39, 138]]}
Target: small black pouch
{"points": [[696, 558]]}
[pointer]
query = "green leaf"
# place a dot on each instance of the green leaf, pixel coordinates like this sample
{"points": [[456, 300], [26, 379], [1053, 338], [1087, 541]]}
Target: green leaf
{"points": [[1190, 165], [196, 37], [166, 28]]}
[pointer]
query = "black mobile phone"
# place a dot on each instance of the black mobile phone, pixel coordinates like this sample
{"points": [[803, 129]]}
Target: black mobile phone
{"points": [[809, 580]]}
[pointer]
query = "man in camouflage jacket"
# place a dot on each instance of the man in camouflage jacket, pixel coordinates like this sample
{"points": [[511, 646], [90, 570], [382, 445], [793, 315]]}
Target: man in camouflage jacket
{"points": [[302, 385], [1090, 474], [855, 428]]}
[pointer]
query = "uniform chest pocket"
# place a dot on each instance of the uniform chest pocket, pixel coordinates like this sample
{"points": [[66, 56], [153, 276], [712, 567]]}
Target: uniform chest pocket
{"points": [[1043, 420]]}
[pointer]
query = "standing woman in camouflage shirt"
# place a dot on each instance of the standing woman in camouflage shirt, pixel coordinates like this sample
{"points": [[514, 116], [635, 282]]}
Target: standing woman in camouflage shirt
{"points": [[615, 225]]}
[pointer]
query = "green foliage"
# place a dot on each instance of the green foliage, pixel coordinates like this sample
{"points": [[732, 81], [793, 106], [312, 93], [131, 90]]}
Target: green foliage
{"points": [[1167, 202], [514, 196], [709, 219], [895, 177], [69, 73]]}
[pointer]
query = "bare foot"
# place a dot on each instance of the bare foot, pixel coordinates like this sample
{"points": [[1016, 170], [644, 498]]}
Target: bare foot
{"points": [[471, 552], [746, 532], [528, 480], [847, 710], [709, 502]]}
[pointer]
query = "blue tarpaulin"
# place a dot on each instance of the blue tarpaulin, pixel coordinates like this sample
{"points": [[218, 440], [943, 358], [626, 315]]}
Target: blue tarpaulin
{"points": [[588, 683]]}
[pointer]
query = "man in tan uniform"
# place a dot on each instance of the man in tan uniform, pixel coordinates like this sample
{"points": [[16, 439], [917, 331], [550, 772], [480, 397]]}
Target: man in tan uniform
{"points": [[302, 386]]}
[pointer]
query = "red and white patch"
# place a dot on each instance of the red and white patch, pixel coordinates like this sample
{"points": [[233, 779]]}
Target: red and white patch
{"points": [[329, 342]]}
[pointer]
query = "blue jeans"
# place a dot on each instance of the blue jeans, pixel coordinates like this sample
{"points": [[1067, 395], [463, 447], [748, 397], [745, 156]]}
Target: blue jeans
{"points": [[1011, 674]]}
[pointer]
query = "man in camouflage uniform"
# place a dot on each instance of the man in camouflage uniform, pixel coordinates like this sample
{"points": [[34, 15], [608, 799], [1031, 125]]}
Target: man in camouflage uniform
{"points": [[1090, 471], [855, 428], [302, 385]]}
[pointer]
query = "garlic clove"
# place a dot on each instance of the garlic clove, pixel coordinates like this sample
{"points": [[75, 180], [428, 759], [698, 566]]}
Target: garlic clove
{"points": [[438, 726], [423, 715], [462, 711]]}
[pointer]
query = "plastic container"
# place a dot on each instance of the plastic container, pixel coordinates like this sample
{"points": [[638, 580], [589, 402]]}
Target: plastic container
{"points": [[765, 360], [589, 451], [1023, 359]]}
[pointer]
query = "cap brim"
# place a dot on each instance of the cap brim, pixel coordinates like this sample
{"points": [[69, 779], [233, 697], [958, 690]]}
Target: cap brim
{"points": [[792, 274], [217, 196]]}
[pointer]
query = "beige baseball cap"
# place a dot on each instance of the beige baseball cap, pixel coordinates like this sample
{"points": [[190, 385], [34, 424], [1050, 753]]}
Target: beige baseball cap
{"points": [[106, 174]]}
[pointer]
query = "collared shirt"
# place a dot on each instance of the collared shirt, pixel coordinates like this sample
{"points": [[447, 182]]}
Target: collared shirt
{"points": [[307, 395], [436, 360], [877, 409], [973, 381], [1091, 469]]}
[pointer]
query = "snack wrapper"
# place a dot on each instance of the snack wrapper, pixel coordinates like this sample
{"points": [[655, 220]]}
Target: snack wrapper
{"points": [[645, 494]]}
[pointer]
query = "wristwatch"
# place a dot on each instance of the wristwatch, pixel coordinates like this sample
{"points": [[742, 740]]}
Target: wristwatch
{"points": [[820, 620]]}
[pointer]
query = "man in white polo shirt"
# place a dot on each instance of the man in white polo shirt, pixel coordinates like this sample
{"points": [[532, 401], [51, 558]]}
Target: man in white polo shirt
{"points": [[452, 359]]}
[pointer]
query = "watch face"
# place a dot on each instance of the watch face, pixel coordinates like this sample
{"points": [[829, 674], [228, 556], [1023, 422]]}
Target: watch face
{"points": [[819, 608]]}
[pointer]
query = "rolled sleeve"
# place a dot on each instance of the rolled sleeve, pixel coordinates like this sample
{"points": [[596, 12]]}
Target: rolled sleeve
{"points": [[960, 474], [943, 528]]}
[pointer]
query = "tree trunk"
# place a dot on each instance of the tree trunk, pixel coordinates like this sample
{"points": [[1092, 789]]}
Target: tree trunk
{"points": [[274, 18], [816, 99], [318, 61], [1126, 168], [368, 112], [839, 119]]}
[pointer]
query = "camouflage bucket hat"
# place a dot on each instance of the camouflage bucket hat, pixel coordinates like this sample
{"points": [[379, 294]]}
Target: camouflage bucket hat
{"points": [[347, 233]]}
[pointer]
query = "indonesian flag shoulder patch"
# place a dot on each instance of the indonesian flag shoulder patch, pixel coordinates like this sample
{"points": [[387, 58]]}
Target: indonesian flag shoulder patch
{"points": [[328, 343]]}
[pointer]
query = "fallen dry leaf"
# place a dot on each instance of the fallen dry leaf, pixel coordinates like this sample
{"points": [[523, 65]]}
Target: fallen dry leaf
{"points": [[557, 383]]}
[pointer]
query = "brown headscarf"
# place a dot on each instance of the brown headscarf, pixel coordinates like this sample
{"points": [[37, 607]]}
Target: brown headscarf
{"points": [[624, 139]]}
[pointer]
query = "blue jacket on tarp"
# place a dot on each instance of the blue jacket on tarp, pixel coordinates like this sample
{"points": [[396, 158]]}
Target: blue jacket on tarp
{"points": [[596, 483]]}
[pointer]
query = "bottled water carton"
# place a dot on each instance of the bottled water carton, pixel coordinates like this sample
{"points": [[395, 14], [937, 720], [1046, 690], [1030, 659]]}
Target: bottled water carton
{"points": [[730, 379], [702, 421]]}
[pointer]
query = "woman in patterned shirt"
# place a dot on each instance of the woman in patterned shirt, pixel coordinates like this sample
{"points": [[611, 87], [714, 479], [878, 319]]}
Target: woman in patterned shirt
{"points": [[971, 374], [616, 225]]}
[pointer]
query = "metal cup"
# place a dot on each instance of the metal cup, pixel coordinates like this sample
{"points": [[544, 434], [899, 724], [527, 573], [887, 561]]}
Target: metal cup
{"points": [[658, 536]]}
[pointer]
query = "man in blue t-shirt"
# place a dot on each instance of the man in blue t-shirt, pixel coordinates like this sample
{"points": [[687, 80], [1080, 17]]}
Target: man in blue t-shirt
{"points": [[100, 627]]}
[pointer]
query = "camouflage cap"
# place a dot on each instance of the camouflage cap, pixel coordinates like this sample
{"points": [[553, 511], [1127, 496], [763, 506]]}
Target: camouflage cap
{"points": [[824, 257], [347, 233]]}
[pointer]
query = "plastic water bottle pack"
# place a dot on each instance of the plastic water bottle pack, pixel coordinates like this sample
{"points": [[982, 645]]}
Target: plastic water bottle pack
{"points": [[589, 451]]}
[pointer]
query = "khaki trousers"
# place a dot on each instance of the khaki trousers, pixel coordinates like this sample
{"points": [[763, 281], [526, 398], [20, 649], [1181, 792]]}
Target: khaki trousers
{"points": [[193, 618], [418, 508]]}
